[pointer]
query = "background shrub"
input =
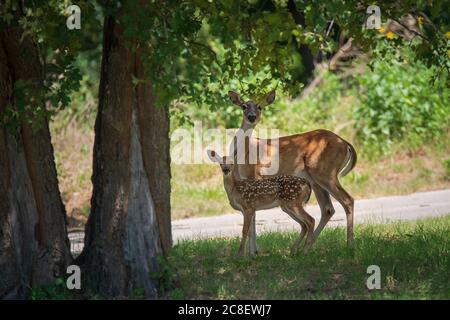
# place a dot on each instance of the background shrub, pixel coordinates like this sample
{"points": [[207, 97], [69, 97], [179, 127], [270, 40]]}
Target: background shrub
{"points": [[400, 102]]}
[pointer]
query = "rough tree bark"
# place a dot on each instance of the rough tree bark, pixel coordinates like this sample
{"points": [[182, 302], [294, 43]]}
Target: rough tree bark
{"points": [[129, 224], [34, 248]]}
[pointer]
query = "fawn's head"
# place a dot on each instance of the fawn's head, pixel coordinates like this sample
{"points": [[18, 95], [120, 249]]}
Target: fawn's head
{"points": [[226, 163], [252, 110]]}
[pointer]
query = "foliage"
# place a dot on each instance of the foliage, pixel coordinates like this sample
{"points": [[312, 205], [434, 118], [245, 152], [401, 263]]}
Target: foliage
{"points": [[197, 48], [194, 51], [324, 107], [83, 105], [45, 23], [400, 102], [447, 168], [55, 291], [429, 44], [166, 277]]}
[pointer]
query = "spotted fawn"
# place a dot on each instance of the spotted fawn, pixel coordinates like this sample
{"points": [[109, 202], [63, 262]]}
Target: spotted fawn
{"points": [[290, 193]]}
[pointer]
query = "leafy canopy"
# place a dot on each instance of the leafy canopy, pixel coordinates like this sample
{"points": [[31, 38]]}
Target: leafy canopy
{"points": [[44, 21], [197, 50]]}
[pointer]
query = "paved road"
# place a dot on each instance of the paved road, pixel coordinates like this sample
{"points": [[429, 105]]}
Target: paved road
{"points": [[410, 207]]}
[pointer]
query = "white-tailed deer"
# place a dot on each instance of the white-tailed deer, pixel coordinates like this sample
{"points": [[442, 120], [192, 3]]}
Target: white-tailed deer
{"points": [[318, 156], [290, 193]]}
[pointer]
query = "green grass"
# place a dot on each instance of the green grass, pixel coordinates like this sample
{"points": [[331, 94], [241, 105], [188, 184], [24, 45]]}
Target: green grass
{"points": [[54, 291], [446, 164], [414, 258]]}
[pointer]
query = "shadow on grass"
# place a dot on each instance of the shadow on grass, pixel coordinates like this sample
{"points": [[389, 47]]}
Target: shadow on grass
{"points": [[414, 259]]}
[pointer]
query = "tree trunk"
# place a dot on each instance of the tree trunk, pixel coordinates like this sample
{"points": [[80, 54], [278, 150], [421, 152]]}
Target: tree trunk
{"points": [[34, 248], [303, 49], [129, 224]]}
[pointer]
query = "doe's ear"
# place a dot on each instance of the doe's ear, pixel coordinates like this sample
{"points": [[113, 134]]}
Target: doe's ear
{"points": [[270, 97], [213, 156], [235, 98]]}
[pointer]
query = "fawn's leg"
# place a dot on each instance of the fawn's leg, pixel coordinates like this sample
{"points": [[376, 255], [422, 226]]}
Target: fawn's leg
{"points": [[308, 224], [296, 245], [291, 212], [248, 216], [252, 248]]}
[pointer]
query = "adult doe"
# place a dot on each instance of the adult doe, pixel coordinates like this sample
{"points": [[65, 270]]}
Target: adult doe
{"points": [[318, 156]]}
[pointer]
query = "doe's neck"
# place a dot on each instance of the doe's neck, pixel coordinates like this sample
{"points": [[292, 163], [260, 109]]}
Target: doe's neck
{"points": [[247, 126]]}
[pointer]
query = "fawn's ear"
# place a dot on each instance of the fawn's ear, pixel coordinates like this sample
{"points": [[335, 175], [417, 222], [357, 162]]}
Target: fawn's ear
{"points": [[235, 98], [213, 156], [270, 97]]}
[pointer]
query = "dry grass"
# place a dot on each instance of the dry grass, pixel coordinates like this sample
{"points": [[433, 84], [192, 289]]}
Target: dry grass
{"points": [[73, 155], [401, 173]]}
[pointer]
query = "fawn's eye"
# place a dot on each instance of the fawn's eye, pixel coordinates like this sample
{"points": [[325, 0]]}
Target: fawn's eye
{"points": [[259, 108]]}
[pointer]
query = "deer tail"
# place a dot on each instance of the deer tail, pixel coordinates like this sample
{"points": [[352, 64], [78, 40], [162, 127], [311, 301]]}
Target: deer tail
{"points": [[351, 160]]}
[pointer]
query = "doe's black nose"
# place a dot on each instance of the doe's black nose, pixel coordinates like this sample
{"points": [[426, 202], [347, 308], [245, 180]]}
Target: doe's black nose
{"points": [[251, 118]]}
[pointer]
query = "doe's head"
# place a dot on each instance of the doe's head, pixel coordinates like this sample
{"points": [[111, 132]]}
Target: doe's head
{"points": [[226, 162], [252, 110]]}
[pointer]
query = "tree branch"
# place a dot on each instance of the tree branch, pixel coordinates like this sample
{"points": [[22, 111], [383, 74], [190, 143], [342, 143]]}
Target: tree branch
{"points": [[203, 46]]}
